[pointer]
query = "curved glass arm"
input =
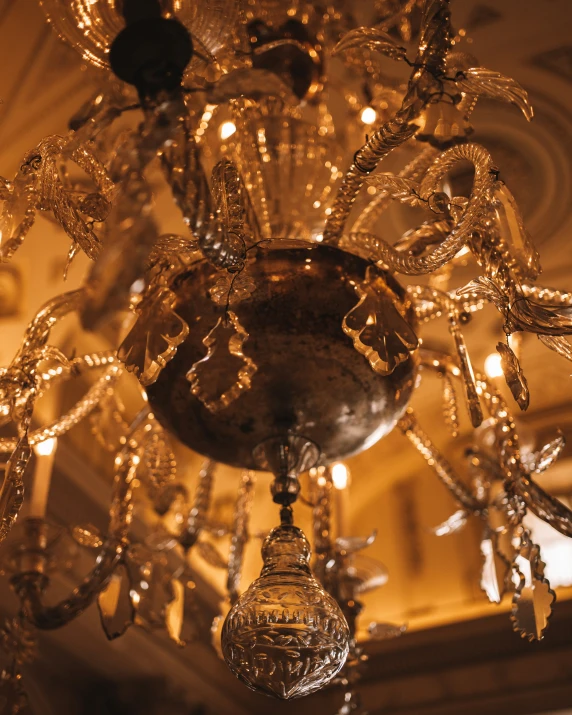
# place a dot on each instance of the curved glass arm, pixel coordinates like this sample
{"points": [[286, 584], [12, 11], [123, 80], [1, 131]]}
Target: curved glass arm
{"points": [[30, 586], [80, 410], [434, 43], [403, 262], [548, 508], [408, 425]]}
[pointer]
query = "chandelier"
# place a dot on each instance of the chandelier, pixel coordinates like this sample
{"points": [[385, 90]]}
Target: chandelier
{"points": [[281, 332]]}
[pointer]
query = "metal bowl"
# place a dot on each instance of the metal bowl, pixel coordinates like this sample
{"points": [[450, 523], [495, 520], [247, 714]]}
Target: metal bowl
{"points": [[310, 380]]}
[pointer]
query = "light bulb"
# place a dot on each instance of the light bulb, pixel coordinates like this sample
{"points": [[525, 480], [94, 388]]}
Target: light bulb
{"points": [[285, 636], [493, 366], [227, 129], [368, 115], [45, 448], [340, 475]]}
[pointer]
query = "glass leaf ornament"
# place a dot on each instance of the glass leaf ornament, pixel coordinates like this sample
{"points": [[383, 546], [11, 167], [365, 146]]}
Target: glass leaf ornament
{"points": [[12, 489], [285, 636], [385, 631], [377, 327], [224, 343], [370, 38], [453, 524], [365, 573], [175, 612], [559, 344], [471, 393], [540, 461], [115, 605], [514, 376], [18, 212], [496, 569], [522, 253], [533, 598], [154, 338], [481, 82], [395, 187], [347, 545], [151, 591]]}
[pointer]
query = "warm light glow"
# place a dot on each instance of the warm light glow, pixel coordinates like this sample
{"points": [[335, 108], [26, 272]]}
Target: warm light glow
{"points": [[493, 365], [45, 448], [227, 129], [555, 548], [340, 475], [368, 115]]}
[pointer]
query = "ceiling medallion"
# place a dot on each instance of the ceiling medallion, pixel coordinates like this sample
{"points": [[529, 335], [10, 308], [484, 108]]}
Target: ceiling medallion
{"points": [[273, 333]]}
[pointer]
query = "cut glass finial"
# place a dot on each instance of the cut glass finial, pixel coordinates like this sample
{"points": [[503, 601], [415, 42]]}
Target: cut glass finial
{"points": [[285, 636]]}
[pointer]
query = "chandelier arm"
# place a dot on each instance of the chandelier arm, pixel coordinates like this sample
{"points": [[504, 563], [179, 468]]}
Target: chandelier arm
{"points": [[386, 138], [80, 410], [547, 296], [198, 512], [543, 505], [430, 303], [249, 151], [546, 507], [30, 586], [188, 182], [240, 533], [321, 520], [434, 43], [75, 367], [123, 260], [12, 490], [410, 428], [38, 331], [460, 235]]}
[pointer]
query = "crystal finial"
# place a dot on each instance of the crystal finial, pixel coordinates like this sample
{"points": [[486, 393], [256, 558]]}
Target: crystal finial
{"points": [[285, 636]]}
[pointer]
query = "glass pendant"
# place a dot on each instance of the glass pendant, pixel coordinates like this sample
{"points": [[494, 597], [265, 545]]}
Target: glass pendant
{"points": [[285, 636]]}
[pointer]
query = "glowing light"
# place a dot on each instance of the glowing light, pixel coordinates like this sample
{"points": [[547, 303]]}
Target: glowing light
{"points": [[45, 448], [340, 476], [227, 129], [493, 365], [556, 550], [368, 115]]}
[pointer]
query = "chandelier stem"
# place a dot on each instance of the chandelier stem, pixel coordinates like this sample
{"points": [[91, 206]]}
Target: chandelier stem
{"points": [[136, 10], [151, 52]]}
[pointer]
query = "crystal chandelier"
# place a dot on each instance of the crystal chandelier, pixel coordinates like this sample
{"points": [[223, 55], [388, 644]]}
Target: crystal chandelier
{"points": [[277, 334]]}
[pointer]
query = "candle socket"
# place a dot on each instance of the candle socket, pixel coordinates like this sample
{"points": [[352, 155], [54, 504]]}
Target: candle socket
{"points": [[31, 555]]}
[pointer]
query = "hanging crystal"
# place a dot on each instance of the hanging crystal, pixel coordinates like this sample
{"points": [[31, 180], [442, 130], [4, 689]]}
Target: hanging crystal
{"points": [[285, 636]]}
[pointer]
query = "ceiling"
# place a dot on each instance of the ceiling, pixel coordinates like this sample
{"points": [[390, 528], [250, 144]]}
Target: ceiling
{"points": [[433, 581]]}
